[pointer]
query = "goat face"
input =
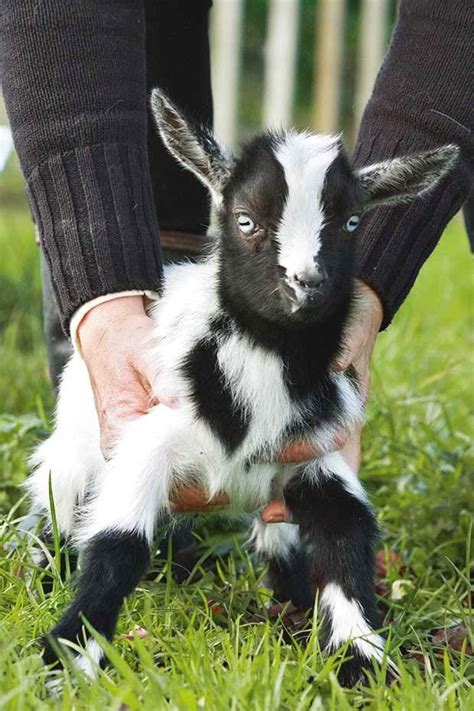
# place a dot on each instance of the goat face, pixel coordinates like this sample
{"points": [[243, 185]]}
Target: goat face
{"points": [[289, 208], [288, 214]]}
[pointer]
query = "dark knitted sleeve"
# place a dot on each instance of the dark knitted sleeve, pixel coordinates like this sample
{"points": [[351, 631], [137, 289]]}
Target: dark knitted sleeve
{"points": [[422, 98], [74, 82]]}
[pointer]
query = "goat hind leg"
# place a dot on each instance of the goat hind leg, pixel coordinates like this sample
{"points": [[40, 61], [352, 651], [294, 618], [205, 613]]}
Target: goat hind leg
{"points": [[338, 523]]}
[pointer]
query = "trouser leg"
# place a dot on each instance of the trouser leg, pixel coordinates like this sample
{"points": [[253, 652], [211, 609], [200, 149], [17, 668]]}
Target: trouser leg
{"points": [[178, 61]]}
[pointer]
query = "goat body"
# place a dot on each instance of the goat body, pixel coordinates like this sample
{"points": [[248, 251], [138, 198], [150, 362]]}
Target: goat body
{"points": [[242, 351]]}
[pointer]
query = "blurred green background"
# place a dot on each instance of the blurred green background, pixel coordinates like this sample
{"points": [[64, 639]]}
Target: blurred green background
{"points": [[251, 90]]}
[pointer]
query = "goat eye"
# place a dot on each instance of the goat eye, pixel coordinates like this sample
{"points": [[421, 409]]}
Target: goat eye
{"points": [[245, 223], [352, 223]]}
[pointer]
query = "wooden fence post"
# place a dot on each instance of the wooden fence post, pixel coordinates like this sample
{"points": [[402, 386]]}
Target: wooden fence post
{"points": [[227, 17], [373, 24], [328, 57], [280, 62]]}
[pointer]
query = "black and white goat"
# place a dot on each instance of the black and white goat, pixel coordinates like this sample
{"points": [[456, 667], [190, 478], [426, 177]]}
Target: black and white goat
{"points": [[244, 342]]}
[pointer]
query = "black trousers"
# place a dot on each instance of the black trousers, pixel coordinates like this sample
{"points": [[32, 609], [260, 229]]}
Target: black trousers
{"points": [[178, 61]]}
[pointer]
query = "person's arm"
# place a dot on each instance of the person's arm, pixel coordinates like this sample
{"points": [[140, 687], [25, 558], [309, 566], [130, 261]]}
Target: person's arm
{"points": [[74, 83], [423, 97]]}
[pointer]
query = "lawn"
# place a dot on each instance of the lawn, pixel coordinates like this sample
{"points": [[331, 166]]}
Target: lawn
{"points": [[229, 654]]}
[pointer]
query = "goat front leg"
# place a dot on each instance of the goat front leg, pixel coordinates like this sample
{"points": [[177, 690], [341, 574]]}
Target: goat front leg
{"points": [[115, 537], [338, 524]]}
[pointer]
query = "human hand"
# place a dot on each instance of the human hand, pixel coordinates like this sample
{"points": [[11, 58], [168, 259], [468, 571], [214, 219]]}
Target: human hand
{"points": [[114, 338], [360, 336], [189, 498], [359, 341]]}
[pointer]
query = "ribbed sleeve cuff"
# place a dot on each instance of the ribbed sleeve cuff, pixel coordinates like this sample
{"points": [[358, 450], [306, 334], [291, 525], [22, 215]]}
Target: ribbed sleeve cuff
{"points": [[97, 223]]}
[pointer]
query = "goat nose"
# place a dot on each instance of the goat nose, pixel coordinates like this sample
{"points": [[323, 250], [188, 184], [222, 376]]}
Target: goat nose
{"points": [[311, 280]]}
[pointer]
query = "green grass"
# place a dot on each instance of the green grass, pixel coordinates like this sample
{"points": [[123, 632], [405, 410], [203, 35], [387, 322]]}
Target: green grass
{"points": [[417, 466]]}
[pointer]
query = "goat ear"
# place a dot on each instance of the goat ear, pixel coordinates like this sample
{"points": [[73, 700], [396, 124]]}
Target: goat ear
{"points": [[195, 147], [400, 180]]}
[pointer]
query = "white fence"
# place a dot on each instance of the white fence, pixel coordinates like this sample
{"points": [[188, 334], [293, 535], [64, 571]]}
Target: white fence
{"points": [[280, 60]]}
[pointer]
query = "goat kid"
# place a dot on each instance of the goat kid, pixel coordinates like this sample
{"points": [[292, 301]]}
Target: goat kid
{"points": [[244, 342]]}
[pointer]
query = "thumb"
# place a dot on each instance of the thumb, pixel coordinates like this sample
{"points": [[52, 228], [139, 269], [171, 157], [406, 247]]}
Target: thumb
{"points": [[351, 348], [345, 356], [146, 377], [276, 512]]}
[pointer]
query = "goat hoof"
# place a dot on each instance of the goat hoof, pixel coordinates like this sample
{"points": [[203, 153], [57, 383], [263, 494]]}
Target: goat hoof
{"points": [[353, 670], [51, 647], [88, 661]]}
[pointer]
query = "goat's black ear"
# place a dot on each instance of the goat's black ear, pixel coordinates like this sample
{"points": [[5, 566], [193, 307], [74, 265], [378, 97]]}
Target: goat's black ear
{"points": [[193, 146], [400, 180]]}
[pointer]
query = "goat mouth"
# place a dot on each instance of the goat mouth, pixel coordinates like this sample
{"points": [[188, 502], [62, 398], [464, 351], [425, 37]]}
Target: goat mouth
{"points": [[309, 303]]}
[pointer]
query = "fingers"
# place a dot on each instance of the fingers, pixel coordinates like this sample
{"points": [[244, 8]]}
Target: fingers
{"points": [[114, 338], [191, 499], [345, 357], [302, 451], [352, 452], [276, 512], [146, 396], [354, 342], [298, 452], [188, 498], [363, 373], [130, 402], [362, 330]]}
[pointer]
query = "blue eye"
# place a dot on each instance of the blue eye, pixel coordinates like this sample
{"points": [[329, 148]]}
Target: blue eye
{"points": [[352, 223], [245, 223]]}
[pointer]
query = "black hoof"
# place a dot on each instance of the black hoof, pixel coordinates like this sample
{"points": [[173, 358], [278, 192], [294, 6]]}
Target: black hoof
{"points": [[68, 630], [51, 648], [354, 669]]}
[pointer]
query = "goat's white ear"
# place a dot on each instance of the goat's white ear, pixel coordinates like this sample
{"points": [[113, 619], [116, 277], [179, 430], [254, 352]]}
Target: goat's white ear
{"points": [[400, 180], [195, 147]]}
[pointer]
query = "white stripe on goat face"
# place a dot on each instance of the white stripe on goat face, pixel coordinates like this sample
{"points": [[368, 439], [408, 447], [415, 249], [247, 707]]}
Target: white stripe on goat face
{"points": [[305, 159]]}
